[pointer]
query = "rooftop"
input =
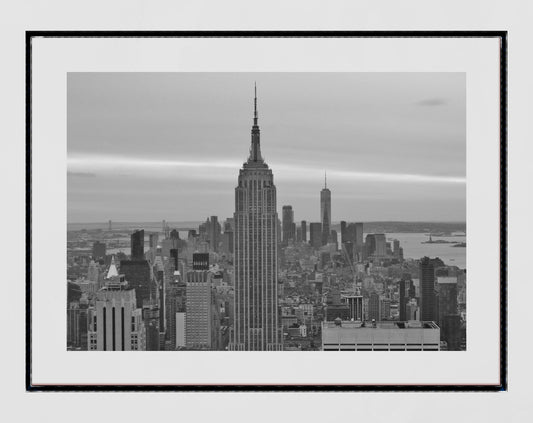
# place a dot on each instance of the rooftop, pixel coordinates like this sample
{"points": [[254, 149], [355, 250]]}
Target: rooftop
{"points": [[410, 324]]}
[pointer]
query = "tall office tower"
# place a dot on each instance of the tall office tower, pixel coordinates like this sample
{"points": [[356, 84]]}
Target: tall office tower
{"points": [[227, 238], [344, 232], [359, 237], [449, 319], [152, 324], [447, 296], [287, 224], [315, 234], [384, 304], [370, 244], [257, 324], [137, 245], [396, 248], [304, 230], [138, 275], [403, 300], [159, 287], [325, 211], [198, 318], [214, 233], [376, 245], [428, 303], [165, 228], [117, 322], [374, 309], [381, 245], [174, 301], [355, 304], [293, 232], [298, 233], [109, 226], [99, 249], [77, 324]]}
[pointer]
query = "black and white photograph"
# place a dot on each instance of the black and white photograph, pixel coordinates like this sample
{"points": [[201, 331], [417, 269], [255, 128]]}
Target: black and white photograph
{"points": [[266, 211], [220, 210]]}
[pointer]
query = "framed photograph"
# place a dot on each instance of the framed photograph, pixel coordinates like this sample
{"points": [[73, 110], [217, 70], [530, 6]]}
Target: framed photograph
{"points": [[291, 211]]}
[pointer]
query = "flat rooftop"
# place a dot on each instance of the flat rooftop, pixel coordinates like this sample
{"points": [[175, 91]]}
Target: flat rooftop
{"points": [[409, 324]]}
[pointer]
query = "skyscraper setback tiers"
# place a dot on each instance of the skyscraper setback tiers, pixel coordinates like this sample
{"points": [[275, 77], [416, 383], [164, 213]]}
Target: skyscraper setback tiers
{"points": [[257, 326], [259, 281]]}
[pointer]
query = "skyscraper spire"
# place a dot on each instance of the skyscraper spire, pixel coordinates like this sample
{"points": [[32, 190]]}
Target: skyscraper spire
{"points": [[255, 104], [255, 149], [325, 181]]}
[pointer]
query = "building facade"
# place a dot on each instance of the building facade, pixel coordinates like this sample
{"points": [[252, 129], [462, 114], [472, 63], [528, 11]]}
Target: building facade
{"points": [[257, 326], [382, 336], [287, 224], [325, 212], [315, 234], [117, 324], [428, 300]]}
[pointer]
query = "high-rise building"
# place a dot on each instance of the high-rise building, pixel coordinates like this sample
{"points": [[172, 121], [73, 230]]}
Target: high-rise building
{"points": [[99, 249], [78, 315], [447, 296], [358, 242], [428, 304], [257, 325], [355, 305], [287, 224], [214, 233], [384, 304], [152, 324], [138, 275], [298, 234], [198, 309], [315, 234], [325, 211], [117, 323], [403, 299], [448, 315], [396, 248], [180, 330], [304, 230], [137, 245], [376, 245], [227, 238], [344, 232], [374, 309]]}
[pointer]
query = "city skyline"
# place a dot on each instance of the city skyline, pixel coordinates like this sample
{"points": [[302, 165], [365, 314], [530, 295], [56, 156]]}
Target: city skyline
{"points": [[418, 174], [255, 284]]}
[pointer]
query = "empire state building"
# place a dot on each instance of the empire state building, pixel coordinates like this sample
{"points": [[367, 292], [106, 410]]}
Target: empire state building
{"points": [[257, 323]]}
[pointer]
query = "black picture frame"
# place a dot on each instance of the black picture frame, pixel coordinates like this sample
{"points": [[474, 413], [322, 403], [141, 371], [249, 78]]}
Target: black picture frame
{"points": [[501, 35]]}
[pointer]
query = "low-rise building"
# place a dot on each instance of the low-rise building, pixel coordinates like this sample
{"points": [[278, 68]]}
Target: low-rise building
{"points": [[380, 336]]}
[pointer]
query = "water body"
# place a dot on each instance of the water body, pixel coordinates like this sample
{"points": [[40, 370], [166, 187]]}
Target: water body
{"points": [[413, 248]]}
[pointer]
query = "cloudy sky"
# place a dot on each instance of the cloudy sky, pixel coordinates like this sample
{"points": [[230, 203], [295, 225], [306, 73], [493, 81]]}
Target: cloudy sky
{"points": [[154, 146]]}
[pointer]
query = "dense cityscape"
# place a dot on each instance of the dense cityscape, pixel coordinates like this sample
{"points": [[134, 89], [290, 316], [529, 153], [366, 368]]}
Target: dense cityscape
{"points": [[260, 281]]}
